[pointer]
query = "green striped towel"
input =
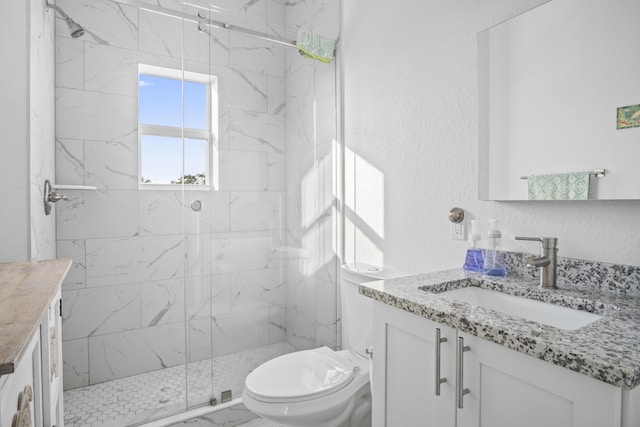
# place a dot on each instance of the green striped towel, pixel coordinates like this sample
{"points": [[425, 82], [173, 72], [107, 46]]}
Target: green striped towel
{"points": [[316, 46], [565, 186]]}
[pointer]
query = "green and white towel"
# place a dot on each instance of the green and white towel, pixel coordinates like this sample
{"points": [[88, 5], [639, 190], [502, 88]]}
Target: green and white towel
{"points": [[565, 186], [316, 46]]}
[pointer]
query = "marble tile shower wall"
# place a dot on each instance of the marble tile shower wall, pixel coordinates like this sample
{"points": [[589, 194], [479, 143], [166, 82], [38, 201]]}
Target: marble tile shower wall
{"points": [[125, 303], [311, 134], [42, 128]]}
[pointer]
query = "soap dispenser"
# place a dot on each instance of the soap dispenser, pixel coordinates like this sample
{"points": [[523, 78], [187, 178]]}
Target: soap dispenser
{"points": [[494, 264], [474, 259]]}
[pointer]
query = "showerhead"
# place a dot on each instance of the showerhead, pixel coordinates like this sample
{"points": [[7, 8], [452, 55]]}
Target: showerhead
{"points": [[75, 30]]}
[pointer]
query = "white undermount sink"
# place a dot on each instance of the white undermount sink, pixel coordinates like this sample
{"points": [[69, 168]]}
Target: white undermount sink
{"points": [[536, 311]]}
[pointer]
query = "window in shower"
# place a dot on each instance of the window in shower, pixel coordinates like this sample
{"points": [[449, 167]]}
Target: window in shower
{"points": [[177, 120]]}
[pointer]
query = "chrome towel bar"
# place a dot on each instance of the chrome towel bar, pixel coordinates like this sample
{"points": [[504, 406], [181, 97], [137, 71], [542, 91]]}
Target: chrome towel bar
{"points": [[598, 173]]}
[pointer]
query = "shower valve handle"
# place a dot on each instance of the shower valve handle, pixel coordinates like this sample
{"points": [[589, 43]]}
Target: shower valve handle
{"points": [[55, 196]]}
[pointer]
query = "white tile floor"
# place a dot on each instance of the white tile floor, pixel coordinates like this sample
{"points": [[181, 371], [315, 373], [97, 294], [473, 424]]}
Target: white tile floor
{"points": [[159, 393], [260, 422]]}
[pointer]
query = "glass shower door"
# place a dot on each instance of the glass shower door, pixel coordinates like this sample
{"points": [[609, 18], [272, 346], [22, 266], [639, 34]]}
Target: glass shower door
{"points": [[201, 202], [236, 294], [178, 163]]}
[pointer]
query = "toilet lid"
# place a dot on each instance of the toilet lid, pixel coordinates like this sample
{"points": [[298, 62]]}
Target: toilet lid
{"points": [[300, 375]]}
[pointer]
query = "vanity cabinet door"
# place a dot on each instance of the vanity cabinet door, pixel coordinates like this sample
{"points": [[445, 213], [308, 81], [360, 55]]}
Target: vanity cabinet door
{"points": [[20, 391], [404, 368], [507, 388], [51, 339]]}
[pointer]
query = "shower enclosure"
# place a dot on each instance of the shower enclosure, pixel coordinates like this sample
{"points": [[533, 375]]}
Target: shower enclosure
{"points": [[209, 246]]}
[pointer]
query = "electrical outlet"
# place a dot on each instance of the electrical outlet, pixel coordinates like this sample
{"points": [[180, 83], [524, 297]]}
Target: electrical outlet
{"points": [[457, 231]]}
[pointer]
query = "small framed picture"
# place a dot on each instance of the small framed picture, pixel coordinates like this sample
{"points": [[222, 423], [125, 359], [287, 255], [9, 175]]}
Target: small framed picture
{"points": [[628, 117]]}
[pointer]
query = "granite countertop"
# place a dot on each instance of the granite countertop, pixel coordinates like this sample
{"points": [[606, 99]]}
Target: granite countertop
{"points": [[607, 349], [26, 290]]}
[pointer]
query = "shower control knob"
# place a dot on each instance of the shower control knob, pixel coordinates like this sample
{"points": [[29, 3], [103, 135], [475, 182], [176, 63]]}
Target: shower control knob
{"points": [[53, 197], [196, 205]]}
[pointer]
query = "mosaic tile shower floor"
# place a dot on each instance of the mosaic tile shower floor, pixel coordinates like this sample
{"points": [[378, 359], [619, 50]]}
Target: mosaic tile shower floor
{"points": [[155, 394]]}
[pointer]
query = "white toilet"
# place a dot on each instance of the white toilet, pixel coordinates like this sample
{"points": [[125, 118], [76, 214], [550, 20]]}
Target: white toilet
{"points": [[323, 387]]}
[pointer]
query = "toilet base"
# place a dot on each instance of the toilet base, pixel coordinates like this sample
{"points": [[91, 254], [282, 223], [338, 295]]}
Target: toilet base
{"points": [[361, 415], [357, 413]]}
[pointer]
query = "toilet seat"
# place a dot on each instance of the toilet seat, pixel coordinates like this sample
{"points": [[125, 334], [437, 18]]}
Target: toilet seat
{"points": [[300, 376]]}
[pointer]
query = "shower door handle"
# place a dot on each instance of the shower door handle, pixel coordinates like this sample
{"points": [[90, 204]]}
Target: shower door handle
{"points": [[196, 205]]}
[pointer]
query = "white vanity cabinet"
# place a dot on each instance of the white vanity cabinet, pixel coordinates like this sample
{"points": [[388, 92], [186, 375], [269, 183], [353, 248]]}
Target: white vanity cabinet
{"points": [[51, 343], [40, 370], [12, 388], [31, 343], [505, 388], [404, 361]]}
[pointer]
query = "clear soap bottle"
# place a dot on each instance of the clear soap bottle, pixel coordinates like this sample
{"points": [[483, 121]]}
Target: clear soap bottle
{"points": [[474, 259], [494, 264]]}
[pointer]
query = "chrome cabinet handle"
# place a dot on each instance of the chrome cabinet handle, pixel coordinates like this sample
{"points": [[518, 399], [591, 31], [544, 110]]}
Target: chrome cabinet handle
{"points": [[438, 379], [460, 390]]}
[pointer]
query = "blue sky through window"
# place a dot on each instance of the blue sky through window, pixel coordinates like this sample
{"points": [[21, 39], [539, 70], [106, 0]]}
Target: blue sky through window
{"points": [[161, 104], [194, 161], [160, 159], [160, 101], [195, 102]]}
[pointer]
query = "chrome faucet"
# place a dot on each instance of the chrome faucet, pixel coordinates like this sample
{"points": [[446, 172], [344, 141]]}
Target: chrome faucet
{"points": [[547, 261]]}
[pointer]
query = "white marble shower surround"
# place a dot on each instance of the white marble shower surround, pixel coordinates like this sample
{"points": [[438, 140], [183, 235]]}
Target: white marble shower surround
{"points": [[311, 182], [41, 124], [125, 300], [118, 331], [155, 394], [259, 260]]}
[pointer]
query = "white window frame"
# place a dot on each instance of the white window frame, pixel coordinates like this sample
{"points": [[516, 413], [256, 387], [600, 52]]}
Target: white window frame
{"points": [[182, 132]]}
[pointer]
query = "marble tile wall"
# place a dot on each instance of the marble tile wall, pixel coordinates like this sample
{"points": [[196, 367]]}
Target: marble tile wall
{"points": [[311, 136], [42, 122], [127, 307]]}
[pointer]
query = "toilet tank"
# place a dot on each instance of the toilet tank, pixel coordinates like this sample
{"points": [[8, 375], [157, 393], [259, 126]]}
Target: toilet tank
{"points": [[356, 309]]}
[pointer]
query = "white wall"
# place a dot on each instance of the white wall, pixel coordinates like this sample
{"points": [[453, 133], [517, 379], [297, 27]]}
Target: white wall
{"points": [[14, 150], [410, 78]]}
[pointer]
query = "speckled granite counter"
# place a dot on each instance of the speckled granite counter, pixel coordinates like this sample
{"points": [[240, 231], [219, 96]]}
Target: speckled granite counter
{"points": [[607, 349], [26, 290]]}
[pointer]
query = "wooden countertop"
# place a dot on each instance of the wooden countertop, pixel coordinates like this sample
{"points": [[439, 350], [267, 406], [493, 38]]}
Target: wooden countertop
{"points": [[26, 290]]}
